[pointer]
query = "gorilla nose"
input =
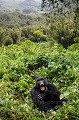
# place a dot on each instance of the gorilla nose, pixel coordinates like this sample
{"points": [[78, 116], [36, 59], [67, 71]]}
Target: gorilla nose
{"points": [[42, 84]]}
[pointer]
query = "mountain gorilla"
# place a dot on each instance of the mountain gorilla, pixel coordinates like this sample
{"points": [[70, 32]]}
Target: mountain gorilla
{"points": [[45, 95]]}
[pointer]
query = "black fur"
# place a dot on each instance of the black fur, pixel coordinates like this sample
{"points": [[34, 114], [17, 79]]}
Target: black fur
{"points": [[47, 99]]}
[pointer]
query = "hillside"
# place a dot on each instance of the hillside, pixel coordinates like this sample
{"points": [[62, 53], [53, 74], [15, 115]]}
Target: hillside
{"points": [[22, 6]]}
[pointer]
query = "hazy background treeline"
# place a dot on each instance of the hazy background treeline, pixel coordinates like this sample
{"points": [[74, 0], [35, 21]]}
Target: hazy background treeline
{"points": [[58, 23]]}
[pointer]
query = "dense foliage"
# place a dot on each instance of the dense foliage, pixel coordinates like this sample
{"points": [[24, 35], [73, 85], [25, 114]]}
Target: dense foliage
{"points": [[20, 64], [21, 60], [64, 20], [16, 19], [60, 27], [16, 28]]}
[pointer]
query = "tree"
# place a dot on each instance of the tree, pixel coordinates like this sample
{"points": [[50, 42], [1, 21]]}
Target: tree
{"points": [[1, 36], [39, 36], [7, 40], [15, 35], [64, 32]]}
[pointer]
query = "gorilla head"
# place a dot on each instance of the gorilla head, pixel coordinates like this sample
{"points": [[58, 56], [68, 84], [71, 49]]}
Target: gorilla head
{"points": [[40, 83]]}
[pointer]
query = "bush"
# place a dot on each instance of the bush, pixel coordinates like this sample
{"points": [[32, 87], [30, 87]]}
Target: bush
{"points": [[8, 41], [39, 36], [39, 61]]}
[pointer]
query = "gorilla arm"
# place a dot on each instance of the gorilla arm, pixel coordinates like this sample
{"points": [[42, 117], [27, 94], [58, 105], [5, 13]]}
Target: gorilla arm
{"points": [[39, 100], [54, 94], [52, 88]]}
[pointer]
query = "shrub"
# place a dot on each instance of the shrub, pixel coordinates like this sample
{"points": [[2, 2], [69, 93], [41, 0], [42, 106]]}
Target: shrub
{"points": [[39, 36], [7, 41]]}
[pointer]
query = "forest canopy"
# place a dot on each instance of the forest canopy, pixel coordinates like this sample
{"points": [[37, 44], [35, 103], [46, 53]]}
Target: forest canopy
{"points": [[66, 15]]}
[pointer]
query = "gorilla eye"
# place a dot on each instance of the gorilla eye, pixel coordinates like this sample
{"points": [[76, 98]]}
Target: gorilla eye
{"points": [[38, 80], [41, 79]]}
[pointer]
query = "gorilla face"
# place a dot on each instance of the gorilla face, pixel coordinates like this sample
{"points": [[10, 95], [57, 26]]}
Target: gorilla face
{"points": [[40, 83]]}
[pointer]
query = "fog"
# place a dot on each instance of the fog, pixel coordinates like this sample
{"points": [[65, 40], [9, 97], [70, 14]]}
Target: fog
{"points": [[20, 0]]}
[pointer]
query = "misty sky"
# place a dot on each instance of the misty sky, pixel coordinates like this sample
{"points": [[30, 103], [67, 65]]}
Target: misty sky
{"points": [[22, 0]]}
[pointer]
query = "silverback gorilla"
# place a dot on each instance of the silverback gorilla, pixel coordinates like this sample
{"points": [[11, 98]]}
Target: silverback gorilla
{"points": [[45, 95]]}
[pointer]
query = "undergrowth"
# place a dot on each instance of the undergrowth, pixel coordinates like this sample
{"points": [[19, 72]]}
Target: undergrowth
{"points": [[20, 64]]}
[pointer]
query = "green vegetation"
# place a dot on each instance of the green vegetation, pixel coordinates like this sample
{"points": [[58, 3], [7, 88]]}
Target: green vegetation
{"points": [[44, 44], [64, 20], [16, 28], [17, 19], [20, 64], [62, 28]]}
